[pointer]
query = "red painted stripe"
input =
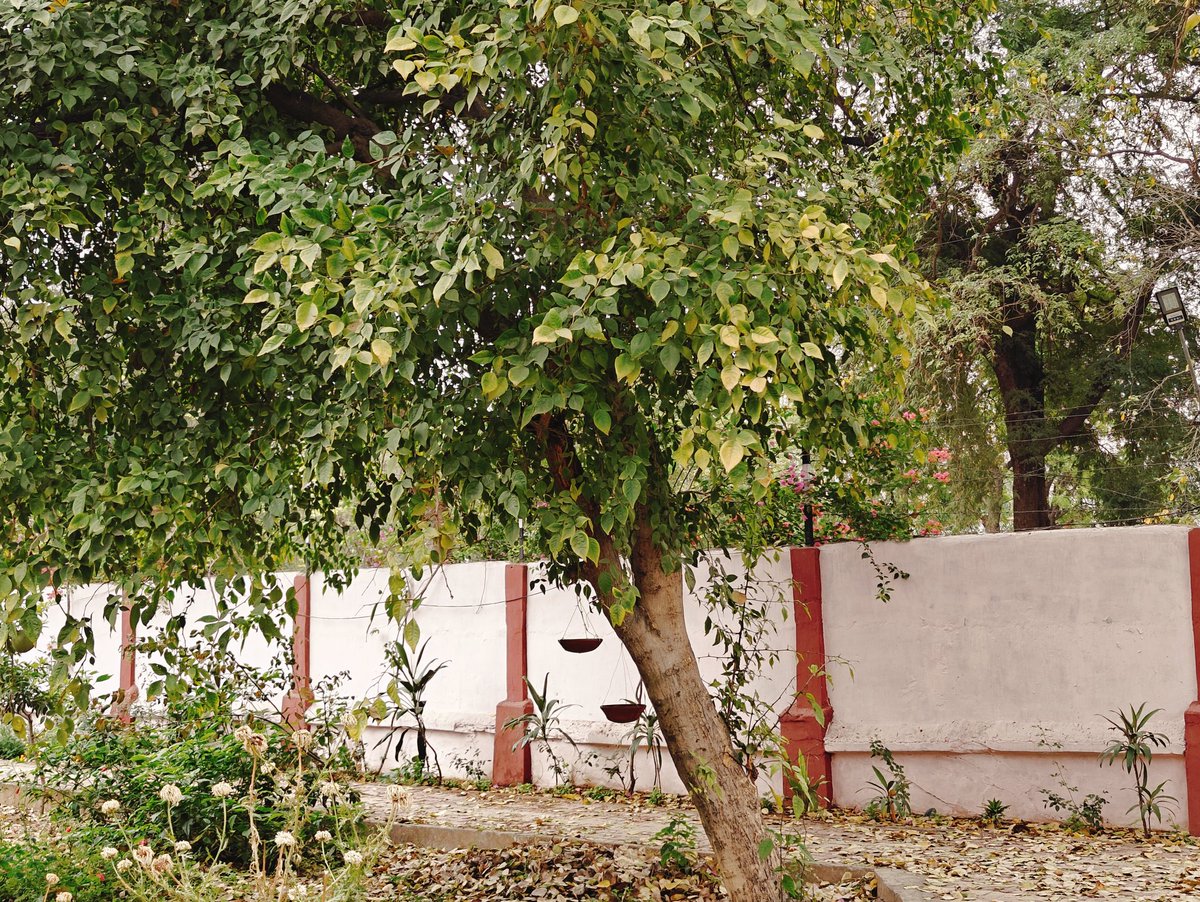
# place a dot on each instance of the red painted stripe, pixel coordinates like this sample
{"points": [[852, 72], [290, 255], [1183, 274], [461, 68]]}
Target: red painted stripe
{"points": [[800, 725], [1191, 717], [300, 696], [514, 766], [128, 665]]}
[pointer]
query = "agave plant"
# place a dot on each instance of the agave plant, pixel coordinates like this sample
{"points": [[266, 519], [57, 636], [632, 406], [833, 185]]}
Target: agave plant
{"points": [[411, 675], [542, 726]]}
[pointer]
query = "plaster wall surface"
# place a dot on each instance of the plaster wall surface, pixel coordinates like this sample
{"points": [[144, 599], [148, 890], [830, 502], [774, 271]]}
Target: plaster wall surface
{"points": [[1011, 644], [987, 672]]}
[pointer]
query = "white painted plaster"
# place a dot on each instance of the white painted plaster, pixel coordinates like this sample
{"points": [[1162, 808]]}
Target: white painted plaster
{"points": [[987, 671]]}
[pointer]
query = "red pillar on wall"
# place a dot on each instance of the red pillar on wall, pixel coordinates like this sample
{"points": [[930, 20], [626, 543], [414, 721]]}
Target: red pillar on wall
{"points": [[300, 696], [801, 725], [127, 667], [510, 766], [1191, 717]]}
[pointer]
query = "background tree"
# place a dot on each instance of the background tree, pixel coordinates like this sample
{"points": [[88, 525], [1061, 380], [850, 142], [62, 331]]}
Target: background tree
{"points": [[1049, 241], [269, 263]]}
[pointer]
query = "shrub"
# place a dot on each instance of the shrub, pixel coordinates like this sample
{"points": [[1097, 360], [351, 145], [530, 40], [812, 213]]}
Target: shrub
{"points": [[11, 745], [23, 870], [131, 765]]}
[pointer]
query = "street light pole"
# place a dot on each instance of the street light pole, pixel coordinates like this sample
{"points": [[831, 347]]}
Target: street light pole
{"points": [[1170, 304], [1187, 355]]}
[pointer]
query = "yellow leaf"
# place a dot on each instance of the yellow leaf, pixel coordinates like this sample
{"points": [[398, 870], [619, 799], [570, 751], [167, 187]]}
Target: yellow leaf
{"points": [[381, 351], [565, 15], [494, 258], [730, 377], [731, 454]]}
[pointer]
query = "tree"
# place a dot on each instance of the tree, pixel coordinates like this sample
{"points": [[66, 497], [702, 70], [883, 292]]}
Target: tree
{"points": [[1050, 239], [266, 264]]}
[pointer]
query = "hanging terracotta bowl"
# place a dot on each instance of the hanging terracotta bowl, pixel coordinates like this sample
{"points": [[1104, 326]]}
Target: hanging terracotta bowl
{"points": [[626, 712], [580, 646]]}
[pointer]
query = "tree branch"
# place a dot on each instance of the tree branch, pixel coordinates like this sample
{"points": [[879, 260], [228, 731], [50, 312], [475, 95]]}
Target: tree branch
{"points": [[301, 105], [1073, 424]]}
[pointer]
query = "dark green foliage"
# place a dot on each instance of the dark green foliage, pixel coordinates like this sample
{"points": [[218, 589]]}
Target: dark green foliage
{"points": [[23, 869], [993, 811], [11, 745]]}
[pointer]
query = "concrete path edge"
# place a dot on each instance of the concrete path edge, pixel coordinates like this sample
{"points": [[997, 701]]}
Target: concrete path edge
{"points": [[894, 885]]}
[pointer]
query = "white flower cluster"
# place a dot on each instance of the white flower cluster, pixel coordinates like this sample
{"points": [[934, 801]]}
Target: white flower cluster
{"points": [[254, 743], [110, 807], [222, 790], [171, 794], [330, 790]]}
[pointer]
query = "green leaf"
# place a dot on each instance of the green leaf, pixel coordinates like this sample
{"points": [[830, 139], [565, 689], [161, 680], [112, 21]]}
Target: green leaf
{"points": [[444, 284], [579, 544], [669, 355], [412, 634], [307, 315], [603, 420], [124, 264], [79, 402], [627, 368], [565, 15]]}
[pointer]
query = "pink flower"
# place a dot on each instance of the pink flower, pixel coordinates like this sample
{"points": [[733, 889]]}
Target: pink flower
{"points": [[874, 422], [909, 415], [942, 476], [912, 474]]}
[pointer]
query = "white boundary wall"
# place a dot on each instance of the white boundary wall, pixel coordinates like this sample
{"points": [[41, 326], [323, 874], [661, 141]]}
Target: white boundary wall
{"points": [[993, 662], [986, 673]]}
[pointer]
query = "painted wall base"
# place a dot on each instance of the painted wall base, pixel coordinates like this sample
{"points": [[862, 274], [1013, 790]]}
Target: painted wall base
{"points": [[511, 767]]}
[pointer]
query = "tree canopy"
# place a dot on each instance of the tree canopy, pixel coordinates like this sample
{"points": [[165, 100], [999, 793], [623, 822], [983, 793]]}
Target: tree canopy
{"points": [[269, 262], [1049, 240]]}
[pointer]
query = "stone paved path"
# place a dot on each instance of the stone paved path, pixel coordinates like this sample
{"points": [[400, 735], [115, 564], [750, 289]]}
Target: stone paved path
{"points": [[959, 860]]}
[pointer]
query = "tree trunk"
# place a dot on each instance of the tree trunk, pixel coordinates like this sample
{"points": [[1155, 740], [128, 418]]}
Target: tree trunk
{"points": [[1021, 377], [655, 635], [1031, 492]]}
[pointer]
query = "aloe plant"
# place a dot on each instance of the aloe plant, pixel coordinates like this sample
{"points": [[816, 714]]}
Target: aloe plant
{"points": [[542, 726]]}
